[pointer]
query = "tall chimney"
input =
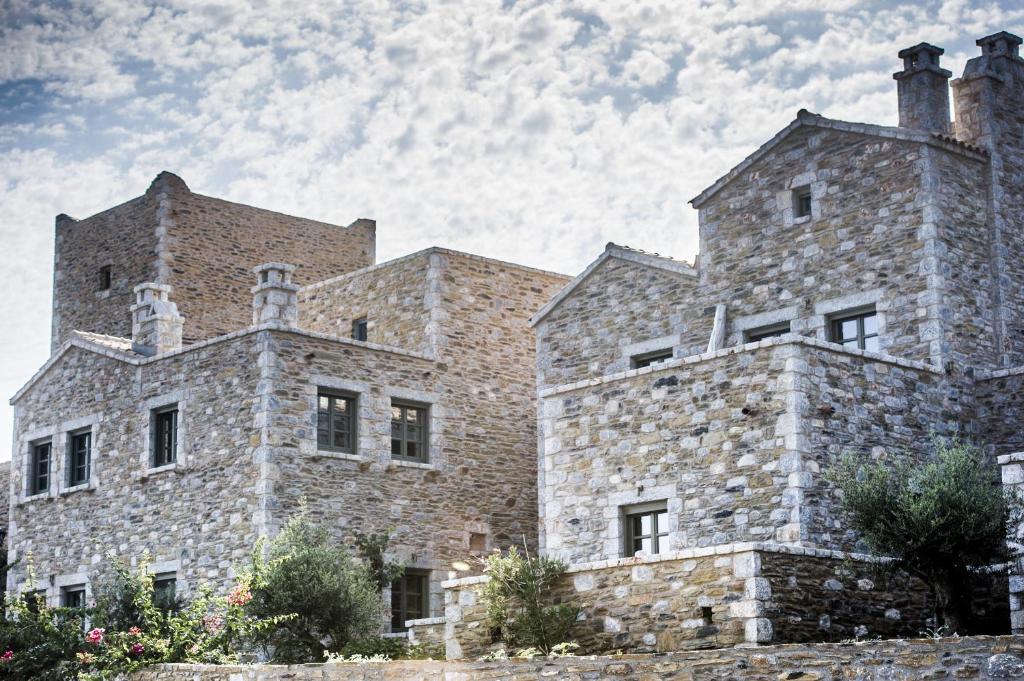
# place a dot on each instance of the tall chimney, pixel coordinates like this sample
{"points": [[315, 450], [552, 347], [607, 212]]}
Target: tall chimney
{"points": [[156, 324], [275, 297], [923, 90]]}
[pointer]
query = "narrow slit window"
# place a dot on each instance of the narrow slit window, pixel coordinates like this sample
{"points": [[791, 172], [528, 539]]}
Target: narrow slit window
{"points": [[336, 422], [770, 331], [360, 329], [79, 458], [409, 432], [105, 278], [802, 202]]}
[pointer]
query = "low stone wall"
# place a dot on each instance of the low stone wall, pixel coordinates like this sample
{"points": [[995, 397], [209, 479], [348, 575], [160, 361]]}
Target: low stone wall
{"points": [[722, 596], [982, 658]]}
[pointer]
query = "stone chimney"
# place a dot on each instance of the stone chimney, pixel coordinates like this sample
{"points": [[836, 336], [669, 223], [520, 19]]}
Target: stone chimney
{"points": [[156, 324], [923, 89], [275, 297]]}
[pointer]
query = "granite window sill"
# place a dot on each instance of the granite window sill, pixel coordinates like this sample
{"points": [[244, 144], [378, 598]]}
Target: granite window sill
{"points": [[175, 467], [85, 487], [342, 456]]}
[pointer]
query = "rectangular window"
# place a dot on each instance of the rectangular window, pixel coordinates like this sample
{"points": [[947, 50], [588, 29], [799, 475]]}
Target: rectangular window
{"points": [[105, 278], [857, 329], [35, 600], [408, 432], [802, 202], [73, 596], [649, 358], [165, 586], [39, 468], [409, 598], [336, 422], [359, 329], [79, 458], [646, 529], [165, 436], [762, 332]]}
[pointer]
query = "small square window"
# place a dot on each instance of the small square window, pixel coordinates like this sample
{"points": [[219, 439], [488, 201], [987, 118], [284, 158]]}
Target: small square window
{"points": [[336, 422], [39, 467], [649, 358], [762, 332], [360, 330], [165, 436], [409, 431], [856, 329], [646, 528], [477, 543], [79, 457], [410, 596], [802, 202], [165, 591], [105, 278], [73, 596]]}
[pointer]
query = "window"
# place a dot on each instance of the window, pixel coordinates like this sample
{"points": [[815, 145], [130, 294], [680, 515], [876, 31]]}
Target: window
{"points": [[105, 278], [165, 587], [409, 598], [35, 600], [336, 422], [408, 431], [770, 331], [359, 329], [646, 529], [477, 543], [165, 436], [39, 468], [857, 329], [649, 358], [802, 202], [73, 596], [79, 455]]}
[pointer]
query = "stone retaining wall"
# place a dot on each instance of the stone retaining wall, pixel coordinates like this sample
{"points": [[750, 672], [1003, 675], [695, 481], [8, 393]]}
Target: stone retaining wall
{"points": [[980, 658]]}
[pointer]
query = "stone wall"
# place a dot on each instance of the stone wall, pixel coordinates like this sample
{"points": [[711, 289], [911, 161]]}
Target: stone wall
{"points": [[205, 248], [983, 658], [1000, 406], [195, 518], [622, 308]]}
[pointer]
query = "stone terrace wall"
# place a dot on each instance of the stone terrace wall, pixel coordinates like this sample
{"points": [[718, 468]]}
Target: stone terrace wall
{"points": [[622, 303], [863, 237], [979, 658]]}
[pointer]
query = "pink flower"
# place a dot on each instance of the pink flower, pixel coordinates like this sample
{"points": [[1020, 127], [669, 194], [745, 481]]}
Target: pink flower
{"points": [[7, 657], [239, 596], [138, 649], [213, 623], [95, 637], [135, 631]]}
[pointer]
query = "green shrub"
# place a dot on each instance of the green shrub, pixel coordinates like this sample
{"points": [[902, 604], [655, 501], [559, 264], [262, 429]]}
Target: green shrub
{"points": [[519, 600], [390, 648], [332, 595], [937, 519]]}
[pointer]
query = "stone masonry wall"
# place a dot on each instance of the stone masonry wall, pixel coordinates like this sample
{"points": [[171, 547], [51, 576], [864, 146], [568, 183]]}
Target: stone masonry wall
{"points": [[861, 245], [593, 331], [1000, 408], [981, 658], [194, 518], [205, 248]]}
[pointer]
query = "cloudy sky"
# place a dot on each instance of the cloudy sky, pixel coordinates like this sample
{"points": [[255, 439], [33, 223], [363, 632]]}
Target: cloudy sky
{"points": [[529, 131]]}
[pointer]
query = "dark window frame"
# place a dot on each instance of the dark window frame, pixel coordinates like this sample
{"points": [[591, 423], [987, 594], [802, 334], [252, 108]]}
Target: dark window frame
{"points": [[79, 592], [400, 594], [32, 599], [403, 440], [633, 517], [767, 331], [79, 459], [646, 359], [39, 482], [835, 327], [360, 329], [163, 444], [330, 444], [165, 590], [803, 202], [106, 277]]}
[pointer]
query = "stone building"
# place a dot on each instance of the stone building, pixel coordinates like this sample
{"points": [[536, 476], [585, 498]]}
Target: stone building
{"points": [[858, 289], [204, 410]]}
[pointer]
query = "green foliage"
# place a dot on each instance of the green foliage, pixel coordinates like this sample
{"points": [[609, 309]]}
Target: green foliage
{"points": [[127, 631], [938, 518], [332, 595], [520, 603], [388, 648], [372, 548]]}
